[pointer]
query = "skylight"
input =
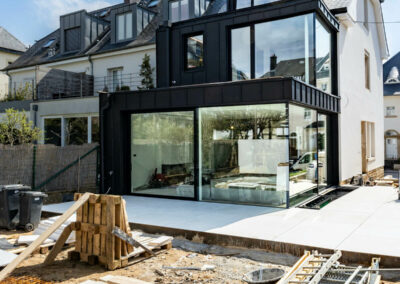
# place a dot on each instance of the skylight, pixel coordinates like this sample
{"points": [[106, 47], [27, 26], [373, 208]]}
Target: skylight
{"points": [[152, 3], [49, 42]]}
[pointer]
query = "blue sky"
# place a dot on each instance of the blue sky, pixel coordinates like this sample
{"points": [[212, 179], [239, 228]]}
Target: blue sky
{"points": [[30, 20]]}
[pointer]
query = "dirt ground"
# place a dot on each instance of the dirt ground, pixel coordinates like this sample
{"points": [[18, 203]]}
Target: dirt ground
{"points": [[230, 265]]}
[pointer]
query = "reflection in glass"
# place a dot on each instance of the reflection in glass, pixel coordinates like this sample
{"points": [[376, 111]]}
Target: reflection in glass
{"points": [[302, 152], [184, 10], [76, 130], [95, 129], [322, 151], [244, 154], [174, 11], [52, 131], [162, 154], [323, 54], [243, 4], [240, 47], [194, 52], [285, 48]]}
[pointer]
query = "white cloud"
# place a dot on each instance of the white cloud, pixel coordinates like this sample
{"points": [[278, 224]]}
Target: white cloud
{"points": [[49, 11]]}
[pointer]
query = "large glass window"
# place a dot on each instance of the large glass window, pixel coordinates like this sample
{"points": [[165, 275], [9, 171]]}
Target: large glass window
{"points": [[76, 130], [124, 26], [240, 47], [52, 131], [285, 48], [162, 154], [178, 10], [303, 156], [194, 53], [323, 57], [244, 154], [72, 39], [248, 3]]}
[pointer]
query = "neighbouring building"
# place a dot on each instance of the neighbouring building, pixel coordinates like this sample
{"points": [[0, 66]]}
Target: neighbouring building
{"points": [[391, 89], [10, 49], [62, 73], [257, 102]]}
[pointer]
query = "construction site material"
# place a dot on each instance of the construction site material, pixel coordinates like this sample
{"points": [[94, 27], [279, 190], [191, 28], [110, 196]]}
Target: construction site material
{"points": [[264, 275], [45, 224], [10, 267], [95, 221], [316, 268], [58, 245], [125, 237], [28, 239], [113, 279], [6, 257], [205, 267]]}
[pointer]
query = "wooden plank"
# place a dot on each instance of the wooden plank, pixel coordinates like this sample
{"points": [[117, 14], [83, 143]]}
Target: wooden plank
{"points": [[103, 236], [160, 241], [129, 248], [118, 224], [90, 233], [110, 239], [97, 221], [59, 245], [123, 236], [27, 252], [85, 209], [78, 233]]}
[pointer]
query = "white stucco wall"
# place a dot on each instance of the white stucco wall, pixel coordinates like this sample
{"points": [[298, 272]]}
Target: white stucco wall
{"points": [[5, 58], [392, 122], [358, 103]]}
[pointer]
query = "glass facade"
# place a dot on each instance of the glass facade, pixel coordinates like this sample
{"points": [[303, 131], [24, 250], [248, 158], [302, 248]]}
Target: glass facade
{"points": [[241, 54], [180, 10], [271, 154], [52, 131], [323, 57], [76, 130], [162, 154], [244, 154], [194, 54], [297, 47]]}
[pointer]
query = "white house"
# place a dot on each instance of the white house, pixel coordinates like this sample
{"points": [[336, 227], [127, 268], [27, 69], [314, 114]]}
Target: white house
{"points": [[362, 47], [391, 89], [90, 52], [10, 49]]}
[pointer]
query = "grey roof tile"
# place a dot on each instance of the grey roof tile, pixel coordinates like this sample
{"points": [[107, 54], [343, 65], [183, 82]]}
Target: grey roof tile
{"points": [[8, 41]]}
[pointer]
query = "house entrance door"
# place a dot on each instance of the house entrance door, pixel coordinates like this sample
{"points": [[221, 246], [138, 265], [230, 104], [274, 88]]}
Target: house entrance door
{"points": [[391, 148]]}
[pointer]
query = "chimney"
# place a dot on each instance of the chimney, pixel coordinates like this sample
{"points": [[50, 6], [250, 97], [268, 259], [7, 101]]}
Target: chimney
{"points": [[273, 61]]}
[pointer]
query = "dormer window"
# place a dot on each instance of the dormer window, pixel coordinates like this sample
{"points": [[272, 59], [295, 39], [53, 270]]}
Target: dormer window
{"points": [[179, 10], [124, 26], [49, 43], [143, 18], [72, 39]]}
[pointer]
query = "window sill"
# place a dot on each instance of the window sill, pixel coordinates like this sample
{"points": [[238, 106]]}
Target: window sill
{"points": [[372, 159], [390, 116]]}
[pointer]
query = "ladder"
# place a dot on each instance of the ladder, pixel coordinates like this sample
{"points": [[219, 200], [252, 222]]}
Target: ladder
{"points": [[313, 268]]}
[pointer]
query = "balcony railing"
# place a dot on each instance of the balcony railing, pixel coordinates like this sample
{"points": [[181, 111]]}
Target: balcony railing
{"points": [[117, 82], [18, 91]]}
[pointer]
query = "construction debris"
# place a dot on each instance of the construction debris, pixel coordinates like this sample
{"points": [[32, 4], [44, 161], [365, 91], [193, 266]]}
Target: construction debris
{"points": [[205, 267], [112, 279], [313, 268]]}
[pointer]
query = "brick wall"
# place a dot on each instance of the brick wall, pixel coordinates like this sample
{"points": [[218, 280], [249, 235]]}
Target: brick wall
{"points": [[16, 166]]}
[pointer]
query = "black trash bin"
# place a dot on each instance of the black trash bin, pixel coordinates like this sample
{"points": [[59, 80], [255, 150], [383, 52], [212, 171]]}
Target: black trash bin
{"points": [[30, 209], [9, 204]]}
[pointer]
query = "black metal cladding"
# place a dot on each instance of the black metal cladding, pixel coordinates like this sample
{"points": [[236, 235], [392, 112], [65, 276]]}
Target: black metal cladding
{"points": [[170, 39]]}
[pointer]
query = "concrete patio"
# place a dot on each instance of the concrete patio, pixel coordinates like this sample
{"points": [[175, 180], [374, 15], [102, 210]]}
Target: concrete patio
{"points": [[366, 220]]}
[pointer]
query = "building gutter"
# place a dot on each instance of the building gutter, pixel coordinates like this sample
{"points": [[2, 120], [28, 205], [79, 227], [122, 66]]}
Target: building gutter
{"points": [[91, 64]]}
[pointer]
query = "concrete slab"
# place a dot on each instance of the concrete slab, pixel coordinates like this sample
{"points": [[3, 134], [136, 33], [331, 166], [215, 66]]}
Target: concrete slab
{"points": [[365, 220]]}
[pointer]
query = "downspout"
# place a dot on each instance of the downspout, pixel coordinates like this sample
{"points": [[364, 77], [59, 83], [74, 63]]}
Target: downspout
{"points": [[91, 64], [103, 108]]}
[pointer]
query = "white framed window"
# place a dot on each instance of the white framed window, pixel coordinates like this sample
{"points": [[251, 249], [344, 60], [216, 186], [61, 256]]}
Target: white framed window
{"points": [[390, 111], [124, 26], [367, 70], [369, 139], [115, 79]]}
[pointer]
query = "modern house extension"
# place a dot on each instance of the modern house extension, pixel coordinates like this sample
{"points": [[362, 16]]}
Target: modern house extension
{"points": [[248, 105], [90, 52], [391, 89]]}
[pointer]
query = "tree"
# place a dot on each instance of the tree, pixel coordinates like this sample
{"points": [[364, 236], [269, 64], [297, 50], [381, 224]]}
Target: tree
{"points": [[16, 129], [146, 72]]}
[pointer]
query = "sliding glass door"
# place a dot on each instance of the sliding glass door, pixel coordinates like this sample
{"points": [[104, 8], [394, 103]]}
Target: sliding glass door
{"points": [[162, 154]]}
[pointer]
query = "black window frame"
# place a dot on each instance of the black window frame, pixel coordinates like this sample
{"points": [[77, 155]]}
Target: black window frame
{"points": [[185, 51]]}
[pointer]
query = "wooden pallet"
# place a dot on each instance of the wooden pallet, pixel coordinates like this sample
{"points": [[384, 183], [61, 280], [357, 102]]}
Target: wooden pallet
{"points": [[95, 221]]}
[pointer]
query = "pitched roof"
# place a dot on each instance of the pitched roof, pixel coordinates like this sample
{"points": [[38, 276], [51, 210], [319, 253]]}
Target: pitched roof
{"points": [[391, 88], [9, 42], [37, 54], [335, 4]]}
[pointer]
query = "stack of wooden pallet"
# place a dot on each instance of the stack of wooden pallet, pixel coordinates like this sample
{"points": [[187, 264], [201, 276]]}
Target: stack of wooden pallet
{"points": [[95, 221]]}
